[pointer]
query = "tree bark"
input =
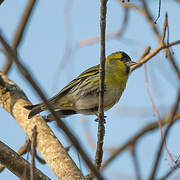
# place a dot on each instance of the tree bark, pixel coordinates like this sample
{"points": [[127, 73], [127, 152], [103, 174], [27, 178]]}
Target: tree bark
{"points": [[13, 100]]}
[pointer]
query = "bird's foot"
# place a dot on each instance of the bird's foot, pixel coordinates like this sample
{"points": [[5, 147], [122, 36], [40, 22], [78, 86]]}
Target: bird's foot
{"points": [[97, 119]]}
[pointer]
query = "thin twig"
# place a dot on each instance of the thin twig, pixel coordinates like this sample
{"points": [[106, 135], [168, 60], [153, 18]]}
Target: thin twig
{"points": [[33, 151], [101, 128], [159, 12], [135, 162], [148, 128], [88, 134], [27, 159], [19, 33], [157, 33], [153, 53], [23, 149], [164, 29], [170, 172], [146, 52], [156, 111], [118, 34], [42, 161], [67, 56], [171, 120], [145, 11]]}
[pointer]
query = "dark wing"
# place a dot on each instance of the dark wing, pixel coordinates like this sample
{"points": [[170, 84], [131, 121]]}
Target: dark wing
{"points": [[84, 75], [89, 72], [35, 109]]}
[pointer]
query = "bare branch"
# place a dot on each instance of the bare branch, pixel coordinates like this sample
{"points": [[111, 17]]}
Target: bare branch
{"points": [[148, 128], [157, 33], [156, 111], [159, 12], [11, 160], [109, 36], [22, 150], [135, 162], [19, 33], [101, 128], [145, 11], [33, 151], [153, 53], [146, 52], [171, 121], [169, 173], [164, 29]]}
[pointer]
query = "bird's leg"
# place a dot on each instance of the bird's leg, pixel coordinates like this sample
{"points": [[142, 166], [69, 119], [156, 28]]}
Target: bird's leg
{"points": [[97, 119]]}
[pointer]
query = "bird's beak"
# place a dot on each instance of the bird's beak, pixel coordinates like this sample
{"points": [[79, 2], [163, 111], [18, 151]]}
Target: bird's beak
{"points": [[130, 63]]}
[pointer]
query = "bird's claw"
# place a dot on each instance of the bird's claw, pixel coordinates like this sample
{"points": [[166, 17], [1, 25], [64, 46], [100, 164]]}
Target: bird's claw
{"points": [[97, 119]]}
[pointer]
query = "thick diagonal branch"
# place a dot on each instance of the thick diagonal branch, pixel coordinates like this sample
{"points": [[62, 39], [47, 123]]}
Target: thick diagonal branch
{"points": [[13, 100], [17, 164]]}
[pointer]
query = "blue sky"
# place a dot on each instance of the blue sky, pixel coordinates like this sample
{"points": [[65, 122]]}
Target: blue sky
{"points": [[43, 51]]}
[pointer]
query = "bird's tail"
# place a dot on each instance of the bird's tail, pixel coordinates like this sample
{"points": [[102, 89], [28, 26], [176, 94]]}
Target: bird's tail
{"points": [[35, 109]]}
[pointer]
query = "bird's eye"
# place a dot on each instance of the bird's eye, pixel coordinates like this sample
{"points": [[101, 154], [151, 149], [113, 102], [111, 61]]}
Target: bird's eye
{"points": [[125, 60]]}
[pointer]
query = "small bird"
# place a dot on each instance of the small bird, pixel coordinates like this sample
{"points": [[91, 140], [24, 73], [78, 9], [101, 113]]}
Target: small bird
{"points": [[81, 95]]}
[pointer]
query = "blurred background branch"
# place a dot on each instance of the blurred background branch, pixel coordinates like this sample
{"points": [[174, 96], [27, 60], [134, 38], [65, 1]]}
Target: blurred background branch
{"points": [[18, 36]]}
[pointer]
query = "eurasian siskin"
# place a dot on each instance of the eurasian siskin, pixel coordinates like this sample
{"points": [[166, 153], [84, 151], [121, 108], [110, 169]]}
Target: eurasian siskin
{"points": [[81, 94]]}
